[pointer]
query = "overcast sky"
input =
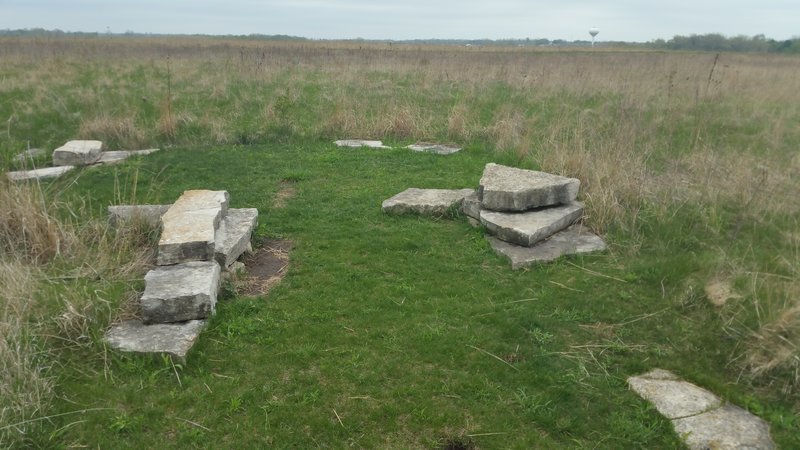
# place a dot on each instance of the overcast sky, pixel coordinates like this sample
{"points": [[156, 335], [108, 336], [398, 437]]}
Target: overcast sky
{"points": [[618, 20]]}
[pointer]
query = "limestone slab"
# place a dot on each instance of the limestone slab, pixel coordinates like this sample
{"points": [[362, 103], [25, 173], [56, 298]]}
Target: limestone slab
{"points": [[504, 188], [29, 154], [528, 228], [725, 428], [425, 201], [174, 339], [180, 292], [233, 234], [471, 206], [147, 214], [439, 149], [355, 143], [189, 227], [673, 397], [38, 174], [113, 157], [77, 153], [573, 240]]}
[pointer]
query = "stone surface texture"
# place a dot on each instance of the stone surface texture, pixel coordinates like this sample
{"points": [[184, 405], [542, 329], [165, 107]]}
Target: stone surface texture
{"points": [[189, 227], [573, 240], [360, 143], [174, 339], [439, 149], [425, 201], [233, 234], [77, 153], [504, 188], [147, 214], [528, 228], [471, 206], [38, 174], [674, 398], [180, 292]]}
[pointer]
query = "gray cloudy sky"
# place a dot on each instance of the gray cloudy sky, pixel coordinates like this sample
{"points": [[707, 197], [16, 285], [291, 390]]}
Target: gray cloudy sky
{"points": [[625, 20]]}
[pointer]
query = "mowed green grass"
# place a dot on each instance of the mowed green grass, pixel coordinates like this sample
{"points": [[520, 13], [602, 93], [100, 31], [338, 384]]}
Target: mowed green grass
{"points": [[402, 332]]}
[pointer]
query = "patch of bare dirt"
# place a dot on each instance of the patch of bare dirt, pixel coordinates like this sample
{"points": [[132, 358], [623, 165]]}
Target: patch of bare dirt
{"points": [[265, 267], [719, 291], [285, 192]]}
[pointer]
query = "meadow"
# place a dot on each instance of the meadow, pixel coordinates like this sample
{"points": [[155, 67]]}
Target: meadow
{"points": [[402, 332]]}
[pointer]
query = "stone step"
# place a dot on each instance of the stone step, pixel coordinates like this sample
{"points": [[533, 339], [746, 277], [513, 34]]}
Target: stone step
{"points": [[471, 206], [356, 143], [439, 149], [504, 188], [174, 339], [573, 240], [233, 235], [148, 214], [116, 156], [425, 201], [38, 174], [528, 228], [189, 227], [180, 292], [77, 153]]}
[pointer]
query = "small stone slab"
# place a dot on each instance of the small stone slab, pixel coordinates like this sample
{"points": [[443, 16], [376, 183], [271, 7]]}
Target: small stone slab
{"points": [[77, 153], [575, 239], [439, 149], [355, 143], [29, 154], [528, 228], [504, 188], [113, 157], [180, 292], [471, 206], [673, 397], [189, 227], [147, 214], [425, 201], [38, 174], [233, 235], [174, 339]]}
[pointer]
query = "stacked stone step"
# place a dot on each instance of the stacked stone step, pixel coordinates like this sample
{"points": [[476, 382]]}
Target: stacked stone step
{"points": [[200, 236]]}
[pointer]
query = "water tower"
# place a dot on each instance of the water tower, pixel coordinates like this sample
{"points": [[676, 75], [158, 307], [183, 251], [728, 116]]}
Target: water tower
{"points": [[593, 31]]}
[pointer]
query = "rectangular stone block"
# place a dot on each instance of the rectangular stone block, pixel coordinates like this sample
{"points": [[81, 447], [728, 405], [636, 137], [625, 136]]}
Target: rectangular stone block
{"points": [[174, 339], [180, 292], [575, 239], [504, 188], [233, 234], [425, 201], [77, 153], [528, 228], [471, 206], [189, 227], [148, 214], [38, 174]]}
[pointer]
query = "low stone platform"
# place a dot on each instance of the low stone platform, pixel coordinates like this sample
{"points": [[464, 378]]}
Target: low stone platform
{"points": [[504, 188], [355, 143], [148, 214], [174, 339], [425, 201], [439, 149], [528, 228], [701, 418], [180, 292], [189, 227], [77, 153], [573, 240], [39, 174], [233, 235]]}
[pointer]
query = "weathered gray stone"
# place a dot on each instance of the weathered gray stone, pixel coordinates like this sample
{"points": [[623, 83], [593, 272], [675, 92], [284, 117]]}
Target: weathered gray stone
{"points": [[573, 240], [77, 153], [113, 157], [38, 174], [148, 214], [29, 154], [504, 188], [180, 292], [425, 201], [528, 228], [439, 149], [233, 234], [725, 428], [189, 227], [360, 143], [471, 206], [672, 397], [174, 339]]}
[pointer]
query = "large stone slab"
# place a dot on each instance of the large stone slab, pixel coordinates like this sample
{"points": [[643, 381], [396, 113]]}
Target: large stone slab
{"points": [[355, 143], [471, 206], [573, 240], [77, 153], [504, 188], [528, 228], [180, 292], [38, 174], [673, 397], [439, 149], [425, 201], [189, 227], [174, 339], [233, 234], [147, 214]]}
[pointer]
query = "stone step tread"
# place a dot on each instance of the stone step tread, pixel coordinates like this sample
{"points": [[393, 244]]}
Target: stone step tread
{"points": [[174, 339], [528, 228], [504, 188], [180, 292], [38, 174], [425, 201], [189, 226], [234, 233], [77, 153], [573, 240]]}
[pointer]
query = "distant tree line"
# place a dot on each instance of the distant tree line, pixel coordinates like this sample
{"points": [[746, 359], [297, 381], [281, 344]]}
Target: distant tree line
{"points": [[719, 43]]}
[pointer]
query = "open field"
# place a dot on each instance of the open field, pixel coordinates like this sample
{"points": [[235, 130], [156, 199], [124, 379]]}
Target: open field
{"points": [[384, 330]]}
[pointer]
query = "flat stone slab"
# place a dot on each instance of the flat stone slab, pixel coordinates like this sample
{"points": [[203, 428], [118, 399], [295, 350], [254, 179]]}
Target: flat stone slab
{"points": [[113, 157], [471, 206], [233, 234], [439, 149], [528, 228], [147, 214], [425, 201], [701, 418], [29, 154], [77, 153], [573, 240], [189, 227], [355, 143], [174, 339], [38, 174], [504, 188], [180, 292]]}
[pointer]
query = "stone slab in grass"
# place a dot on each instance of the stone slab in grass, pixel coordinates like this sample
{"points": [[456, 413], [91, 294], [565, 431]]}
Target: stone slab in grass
{"points": [[471, 206], [180, 292], [174, 339], [573, 240], [233, 234], [439, 149], [425, 201], [38, 174], [29, 154], [113, 157], [528, 228], [355, 143], [77, 153], [504, 188], [147, 214], [189, 227]]}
